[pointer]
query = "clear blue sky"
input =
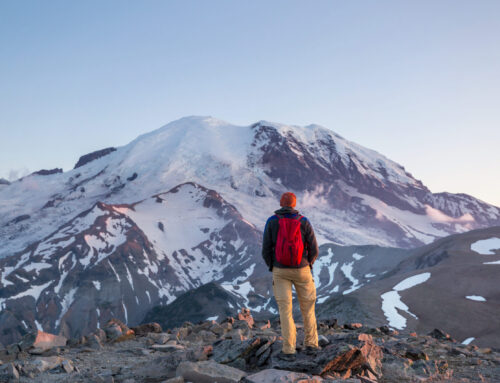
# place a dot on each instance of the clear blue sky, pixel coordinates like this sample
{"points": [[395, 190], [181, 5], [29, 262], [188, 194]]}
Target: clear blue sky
{"points": [[418, 81]]}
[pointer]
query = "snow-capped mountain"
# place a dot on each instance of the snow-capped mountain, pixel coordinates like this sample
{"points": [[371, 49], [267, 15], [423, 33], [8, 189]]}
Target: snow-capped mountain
{"points": [[122, 260], [134, 227], [352, 195]]}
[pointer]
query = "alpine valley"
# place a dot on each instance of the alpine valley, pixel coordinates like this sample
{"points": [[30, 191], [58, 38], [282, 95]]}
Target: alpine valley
{"points": [[159, 227]]}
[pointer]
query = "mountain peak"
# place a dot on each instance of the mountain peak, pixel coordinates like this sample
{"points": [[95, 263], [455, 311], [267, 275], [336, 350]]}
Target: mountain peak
{"points": [[195, 121], [338, 183]]}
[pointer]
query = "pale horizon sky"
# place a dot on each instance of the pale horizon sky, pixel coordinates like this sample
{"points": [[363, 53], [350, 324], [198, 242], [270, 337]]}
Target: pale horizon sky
{"points": [[418, 82]]}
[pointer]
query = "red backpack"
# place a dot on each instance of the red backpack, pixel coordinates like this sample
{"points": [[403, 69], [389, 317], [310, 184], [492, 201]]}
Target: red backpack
{"points": [[289, 245]]}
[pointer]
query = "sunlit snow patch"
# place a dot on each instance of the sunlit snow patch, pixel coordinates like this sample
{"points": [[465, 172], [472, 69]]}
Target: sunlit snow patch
{"points": [[391, 300], [412, 281], [486, 246], [242, 290], [34, 291], [37, 266], [104, 243], [357, 256], [322, 299], [468, 340], [347, 270], [66, 304], [38, 325], [325, 262], [492, 263], [247, 274], [476, 298], [369, 275]]}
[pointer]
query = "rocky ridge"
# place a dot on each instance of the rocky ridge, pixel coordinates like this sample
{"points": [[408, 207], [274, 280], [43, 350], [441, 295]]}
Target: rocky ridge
{"points": [[103, 264], [242, 350], [85, 159]]}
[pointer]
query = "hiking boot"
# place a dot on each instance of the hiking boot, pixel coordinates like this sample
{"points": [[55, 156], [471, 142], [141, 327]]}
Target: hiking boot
{"points": [[287, 357], [311, 350]]}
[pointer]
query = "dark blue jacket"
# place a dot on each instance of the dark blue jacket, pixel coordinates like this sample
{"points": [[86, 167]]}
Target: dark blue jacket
{"points": [[271, 234]]}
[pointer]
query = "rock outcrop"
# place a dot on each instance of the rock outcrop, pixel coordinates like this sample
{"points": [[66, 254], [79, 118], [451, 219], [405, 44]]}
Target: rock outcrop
{"points": [[233, 351], [85, 159], [47, 172]]}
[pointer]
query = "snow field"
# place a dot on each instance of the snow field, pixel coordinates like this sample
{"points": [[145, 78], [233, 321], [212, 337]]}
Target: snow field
{"points": [[391, 301], [486, 246], [347, 270], [468, 341], [476, 298]]}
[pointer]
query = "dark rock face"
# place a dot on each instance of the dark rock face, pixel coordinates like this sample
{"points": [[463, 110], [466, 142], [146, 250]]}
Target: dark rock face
{"points": [[3, 181], [45, 172], [132, 177], [85, 159], [19, 219], [322, 164], [192, 306], [324, 168]]}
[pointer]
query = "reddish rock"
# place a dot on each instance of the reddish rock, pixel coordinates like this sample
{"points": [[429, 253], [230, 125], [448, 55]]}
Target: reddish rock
{"points": [[353, 326], [245, 315], [42, 340], [347, 363], [115, 328], [373, 355], [364, 360], [365, 338], [265, 326], [202, 353], [113, 331]]}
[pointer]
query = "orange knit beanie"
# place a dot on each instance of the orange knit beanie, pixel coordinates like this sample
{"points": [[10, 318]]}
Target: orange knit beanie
{"points": [[288, 199]]}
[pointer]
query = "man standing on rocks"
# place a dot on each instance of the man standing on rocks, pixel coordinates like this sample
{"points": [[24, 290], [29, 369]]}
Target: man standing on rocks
{"points": [[289, 249]]}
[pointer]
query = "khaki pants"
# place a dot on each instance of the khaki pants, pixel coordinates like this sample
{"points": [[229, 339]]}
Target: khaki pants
{"points": [[306, 293]]}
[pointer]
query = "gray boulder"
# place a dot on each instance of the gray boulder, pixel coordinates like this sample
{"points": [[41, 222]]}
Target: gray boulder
{"points": [[209, 372], [229, 350], [273, 375], [159, 338], [43, 363], [9, 373]]}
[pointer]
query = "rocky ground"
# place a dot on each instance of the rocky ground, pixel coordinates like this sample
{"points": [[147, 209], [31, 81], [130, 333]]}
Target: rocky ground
{"points": [[239, 349]]}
